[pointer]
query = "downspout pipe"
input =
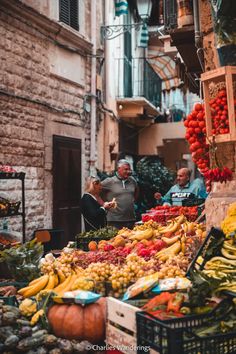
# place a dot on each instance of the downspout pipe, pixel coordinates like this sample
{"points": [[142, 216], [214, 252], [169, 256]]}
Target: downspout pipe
{"points": [[92, 168], [197, 33]]}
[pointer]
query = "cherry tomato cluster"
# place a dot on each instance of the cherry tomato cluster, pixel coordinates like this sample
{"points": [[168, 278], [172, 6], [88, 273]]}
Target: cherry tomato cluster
{"points": [[219, 175], [196, 136], [219, 113]]}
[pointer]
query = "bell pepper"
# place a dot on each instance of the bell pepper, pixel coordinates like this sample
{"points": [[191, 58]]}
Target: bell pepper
{"points": [[161, 299], [175, 302]]}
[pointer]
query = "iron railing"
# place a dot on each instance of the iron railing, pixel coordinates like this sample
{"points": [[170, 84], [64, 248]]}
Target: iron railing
{"points": [[137, 78]]}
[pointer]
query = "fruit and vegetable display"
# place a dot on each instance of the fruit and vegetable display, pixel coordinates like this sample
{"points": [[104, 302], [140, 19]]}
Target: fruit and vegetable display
{"points": [[163, 213], [64, 303], [122, 260]]}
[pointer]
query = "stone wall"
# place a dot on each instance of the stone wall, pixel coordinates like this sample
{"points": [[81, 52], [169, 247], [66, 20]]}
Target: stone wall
{"points": [[32, 100]]}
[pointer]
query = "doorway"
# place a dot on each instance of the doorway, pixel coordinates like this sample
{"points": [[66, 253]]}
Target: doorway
{"points": [[66, 187]]}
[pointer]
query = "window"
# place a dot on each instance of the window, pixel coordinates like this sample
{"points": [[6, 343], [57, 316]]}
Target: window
{"points": [[69, 13]]}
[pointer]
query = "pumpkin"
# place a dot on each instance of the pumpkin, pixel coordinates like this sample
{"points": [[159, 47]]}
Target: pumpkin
{"points": [[72, 321]]}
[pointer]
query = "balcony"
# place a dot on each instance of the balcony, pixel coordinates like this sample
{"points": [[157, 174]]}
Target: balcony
{"points": [[181, 31], [138, 89]]}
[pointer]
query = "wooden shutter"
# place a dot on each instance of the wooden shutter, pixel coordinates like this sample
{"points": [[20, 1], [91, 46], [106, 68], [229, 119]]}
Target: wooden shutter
{"points": [[69, 12]]}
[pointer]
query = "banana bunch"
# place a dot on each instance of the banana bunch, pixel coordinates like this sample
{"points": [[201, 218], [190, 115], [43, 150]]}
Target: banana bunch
{"points": [[173, 225], [168, 252], [221, 265], [229, 249], [141, 235], [36, 285]]}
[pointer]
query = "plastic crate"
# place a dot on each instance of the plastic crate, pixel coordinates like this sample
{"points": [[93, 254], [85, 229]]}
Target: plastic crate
{"points": [[177, 336], [214, 236], [9, 300]]}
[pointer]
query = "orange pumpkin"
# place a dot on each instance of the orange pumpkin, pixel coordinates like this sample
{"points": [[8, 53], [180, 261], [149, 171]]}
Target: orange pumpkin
{"points": [[72, 321]]}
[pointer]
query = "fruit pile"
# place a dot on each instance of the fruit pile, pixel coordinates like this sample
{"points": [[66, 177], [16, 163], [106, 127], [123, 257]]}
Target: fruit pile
{"points": [[146, 249], [163, 213], [196, 136]]}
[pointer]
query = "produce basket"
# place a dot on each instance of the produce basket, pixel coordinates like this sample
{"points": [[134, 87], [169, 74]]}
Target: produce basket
{"points": [[211, 247], [105, 233], [178, 336]]}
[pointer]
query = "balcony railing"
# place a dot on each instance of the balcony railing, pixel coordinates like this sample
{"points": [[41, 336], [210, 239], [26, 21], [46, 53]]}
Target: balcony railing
{"points": [[136, 78]]}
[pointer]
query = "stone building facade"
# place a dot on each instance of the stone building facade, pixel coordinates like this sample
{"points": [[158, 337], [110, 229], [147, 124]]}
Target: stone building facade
{"points": [[45, 71], [222, 194]]}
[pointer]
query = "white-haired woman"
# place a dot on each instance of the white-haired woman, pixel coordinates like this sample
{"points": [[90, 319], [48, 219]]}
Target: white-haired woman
{"points": [[92, 206]]}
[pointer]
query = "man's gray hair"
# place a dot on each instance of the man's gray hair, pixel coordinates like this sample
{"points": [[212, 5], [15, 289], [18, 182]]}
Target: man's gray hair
{"points": [[122, 162]]}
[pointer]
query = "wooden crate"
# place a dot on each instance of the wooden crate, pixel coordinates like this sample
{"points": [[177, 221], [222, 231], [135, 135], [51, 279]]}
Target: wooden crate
{"points": [[213, 81], [121, 330]]}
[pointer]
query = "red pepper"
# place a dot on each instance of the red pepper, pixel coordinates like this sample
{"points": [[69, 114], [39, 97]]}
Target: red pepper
{"points": [[175, 302], [161, 299]]}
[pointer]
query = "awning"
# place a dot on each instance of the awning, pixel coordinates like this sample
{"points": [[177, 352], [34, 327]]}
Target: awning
{"points": [[164, 66]]}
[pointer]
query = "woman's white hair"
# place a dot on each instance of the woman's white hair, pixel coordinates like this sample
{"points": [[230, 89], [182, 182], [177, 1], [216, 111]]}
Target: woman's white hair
{"points": [[122, 162]]}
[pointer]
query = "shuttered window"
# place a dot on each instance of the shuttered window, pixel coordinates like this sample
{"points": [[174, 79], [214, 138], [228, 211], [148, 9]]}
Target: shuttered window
{"points": [[69, 13]]}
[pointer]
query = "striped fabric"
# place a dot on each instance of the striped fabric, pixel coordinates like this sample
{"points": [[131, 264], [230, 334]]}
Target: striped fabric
{"points": [[144, 36], [121, 7]]}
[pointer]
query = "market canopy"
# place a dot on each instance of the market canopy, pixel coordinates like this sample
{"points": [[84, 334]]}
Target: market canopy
{"points": [[164, 66]]}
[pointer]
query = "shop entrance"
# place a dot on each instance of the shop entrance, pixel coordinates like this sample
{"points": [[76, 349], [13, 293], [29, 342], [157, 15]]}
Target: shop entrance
{"points": [[66, 187]]}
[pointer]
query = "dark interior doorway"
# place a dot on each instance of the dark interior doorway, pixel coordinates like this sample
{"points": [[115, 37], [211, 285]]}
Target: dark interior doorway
{"points": [[66, 187]]}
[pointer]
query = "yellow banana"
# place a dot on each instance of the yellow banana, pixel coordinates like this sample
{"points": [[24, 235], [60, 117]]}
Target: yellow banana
{"points": [[51, 282], [56, 280], [61, 276], [172, 228], [170, 251], [35, 288], [142, 235], [68, 287], [61, 286], [229, 246], [37, 279], [228, 253], [171, 240]]}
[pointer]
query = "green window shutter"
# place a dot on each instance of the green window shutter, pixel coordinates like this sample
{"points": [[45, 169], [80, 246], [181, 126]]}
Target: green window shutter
{"points": [[69, 13]]}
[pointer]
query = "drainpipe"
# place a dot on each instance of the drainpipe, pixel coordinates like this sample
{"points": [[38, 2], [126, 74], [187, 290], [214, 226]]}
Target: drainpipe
{"points": [[92, 167], [107, 95], [197, 34]]}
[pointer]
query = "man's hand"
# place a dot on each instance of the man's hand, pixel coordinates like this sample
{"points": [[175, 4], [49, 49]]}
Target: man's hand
{"points": [[157, 195]]}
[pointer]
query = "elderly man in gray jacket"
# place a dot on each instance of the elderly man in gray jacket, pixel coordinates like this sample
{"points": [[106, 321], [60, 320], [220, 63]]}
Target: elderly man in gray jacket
{"points": [[123, 187]]}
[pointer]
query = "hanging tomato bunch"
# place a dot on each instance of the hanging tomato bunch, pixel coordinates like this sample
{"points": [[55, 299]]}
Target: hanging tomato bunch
{"points": [[196, 136], [219, 175], [219, 113]]}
